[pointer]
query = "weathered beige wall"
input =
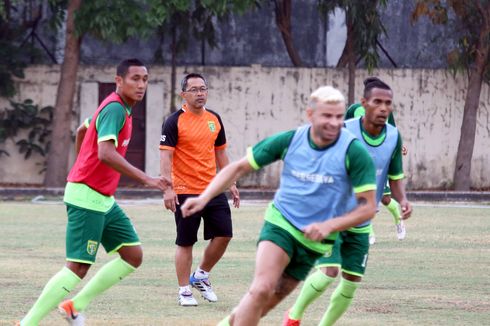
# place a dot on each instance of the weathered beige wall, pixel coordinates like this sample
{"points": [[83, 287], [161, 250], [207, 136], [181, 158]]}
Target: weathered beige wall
{"points": [[256, 101]]}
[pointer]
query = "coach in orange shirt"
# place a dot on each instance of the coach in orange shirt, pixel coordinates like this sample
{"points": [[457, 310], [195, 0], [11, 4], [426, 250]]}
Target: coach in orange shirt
{"points": [[193, 142]]}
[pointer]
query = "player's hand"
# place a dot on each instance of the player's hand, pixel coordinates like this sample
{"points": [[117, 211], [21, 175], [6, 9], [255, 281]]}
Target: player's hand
{"points": [[404, 150], [160, 183], [406, 208], [192, 206], [236, 196], [317, 231], [170, 199]]}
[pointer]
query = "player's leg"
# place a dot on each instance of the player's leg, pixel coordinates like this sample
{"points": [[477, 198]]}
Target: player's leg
{"points": [[218, 229], [271, 260], [119, 236], [301, 262], [394, 208], [83, 233], [282, 261], [327, 268], [354, 252], [187, 229]]}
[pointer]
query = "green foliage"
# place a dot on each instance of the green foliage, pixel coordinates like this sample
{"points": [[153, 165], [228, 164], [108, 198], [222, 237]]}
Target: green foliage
{"points": [[470, 22], [27, 116], [118, 20], [190, 19], [367, 26], [18, 19]]}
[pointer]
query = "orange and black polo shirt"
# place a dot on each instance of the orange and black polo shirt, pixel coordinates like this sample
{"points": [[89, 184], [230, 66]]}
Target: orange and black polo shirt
{"points": [[193, 138]]}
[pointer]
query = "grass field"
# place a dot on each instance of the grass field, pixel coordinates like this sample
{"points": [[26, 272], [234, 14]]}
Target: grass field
{"points": [[439, 275]]}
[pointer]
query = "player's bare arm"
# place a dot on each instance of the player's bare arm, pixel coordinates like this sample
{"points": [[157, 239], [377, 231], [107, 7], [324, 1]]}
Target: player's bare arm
{"points": [[170, 198], [222, 160], [223, 180], [81, 131], [398, 192], [365, 210], [108, 155]]}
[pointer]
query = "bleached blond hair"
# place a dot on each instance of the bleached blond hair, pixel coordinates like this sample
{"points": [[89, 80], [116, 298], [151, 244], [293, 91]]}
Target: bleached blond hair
{"points": [[326, 94]]}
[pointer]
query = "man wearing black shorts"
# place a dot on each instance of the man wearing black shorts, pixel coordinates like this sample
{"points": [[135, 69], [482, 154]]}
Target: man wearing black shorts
{"points": [[192, 143]]}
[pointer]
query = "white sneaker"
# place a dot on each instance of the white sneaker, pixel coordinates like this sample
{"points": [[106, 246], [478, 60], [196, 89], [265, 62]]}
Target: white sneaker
{"points": [[186, 299], [372, 239], [401, 232], [204, 286]]}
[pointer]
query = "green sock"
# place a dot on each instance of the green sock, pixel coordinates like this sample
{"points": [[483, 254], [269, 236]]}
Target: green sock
{"points": [[314, 286], [339, 302], [110, 274], [54, 291], [393, 208], [224, 322]]}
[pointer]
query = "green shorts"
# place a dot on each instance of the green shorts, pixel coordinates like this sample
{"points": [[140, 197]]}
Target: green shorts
{"points": [[350, 252], [302, 259], [86, 229]]}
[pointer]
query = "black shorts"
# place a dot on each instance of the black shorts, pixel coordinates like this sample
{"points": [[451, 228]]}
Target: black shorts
{"points": [[216, 216]]}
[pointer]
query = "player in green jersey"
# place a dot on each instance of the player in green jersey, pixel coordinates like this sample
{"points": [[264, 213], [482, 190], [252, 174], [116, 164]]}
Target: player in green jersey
{"points": [[94, 218], [357, 110]]}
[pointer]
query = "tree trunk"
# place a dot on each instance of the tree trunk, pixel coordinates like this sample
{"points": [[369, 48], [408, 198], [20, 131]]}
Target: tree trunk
{"points": [[351, 60], [283, 22], [57, 167], [173, 73], [348, 59], [462, 171]]}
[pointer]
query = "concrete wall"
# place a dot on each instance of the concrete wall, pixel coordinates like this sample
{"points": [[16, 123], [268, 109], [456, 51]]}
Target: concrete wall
{"points": [[256, 101]]}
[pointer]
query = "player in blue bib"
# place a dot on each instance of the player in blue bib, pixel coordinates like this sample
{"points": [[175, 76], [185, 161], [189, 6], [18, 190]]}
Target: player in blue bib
{"points": [[350, 252], [357, 110]]}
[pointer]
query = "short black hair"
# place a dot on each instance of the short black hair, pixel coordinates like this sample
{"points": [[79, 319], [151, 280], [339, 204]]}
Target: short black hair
{"points": [[123, 66], [183, 83], [373, 82]]}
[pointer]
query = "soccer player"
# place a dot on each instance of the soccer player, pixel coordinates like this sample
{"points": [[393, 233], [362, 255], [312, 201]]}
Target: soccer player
{"points": [[350, 252], [94, 218], [357, 110], [193, 142], [327, 185]]}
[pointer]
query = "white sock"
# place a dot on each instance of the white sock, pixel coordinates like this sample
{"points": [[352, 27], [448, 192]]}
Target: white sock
{"points": [[200, 273], [185, 288]]}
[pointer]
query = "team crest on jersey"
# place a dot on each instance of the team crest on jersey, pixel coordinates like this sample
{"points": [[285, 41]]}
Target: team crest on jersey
{"points": [[126, 142], [92, 247], [212, 126], [328, 253]]}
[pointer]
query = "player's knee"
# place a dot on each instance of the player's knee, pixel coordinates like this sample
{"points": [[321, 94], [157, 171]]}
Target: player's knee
{"points": [[261, 292], [79, 269], [385, 200], [331, 271], [132, 255], [224, 241]]}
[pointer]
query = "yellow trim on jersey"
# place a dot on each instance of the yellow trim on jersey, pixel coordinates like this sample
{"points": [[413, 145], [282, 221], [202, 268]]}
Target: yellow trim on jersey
{"points": [[81, 195], [396, 177], [361, 229], [365, 188], [251, 159]]}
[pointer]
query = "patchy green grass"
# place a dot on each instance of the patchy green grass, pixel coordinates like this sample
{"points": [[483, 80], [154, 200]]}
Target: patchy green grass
{"points": [[437, 276]]}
